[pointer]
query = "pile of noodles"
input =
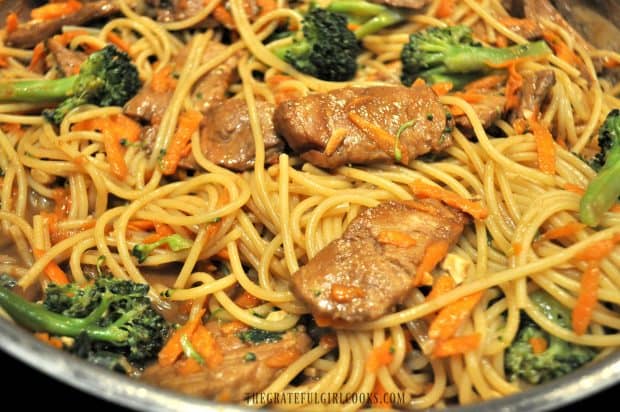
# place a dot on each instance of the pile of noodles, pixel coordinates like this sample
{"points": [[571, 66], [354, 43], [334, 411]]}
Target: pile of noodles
{"points": [[276, 218]]}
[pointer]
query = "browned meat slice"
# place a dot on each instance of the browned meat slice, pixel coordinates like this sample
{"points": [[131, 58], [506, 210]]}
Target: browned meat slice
{"points": [[527, 28], [236, 376], [21, 8], [212, 87], [28, 35], [408, 4], [536, 86], [148, 105], [68, 61], [308, 123], [488, 110], [358, 277], [174, 10], [226, 136]]}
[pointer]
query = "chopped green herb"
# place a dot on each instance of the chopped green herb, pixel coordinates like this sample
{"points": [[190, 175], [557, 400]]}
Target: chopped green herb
{"points": [[249, 357], [189, 350], [397, 153], [430, 117], [257, 336]]}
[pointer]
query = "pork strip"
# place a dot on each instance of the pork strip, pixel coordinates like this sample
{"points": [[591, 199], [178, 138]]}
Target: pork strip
{"points": [[488, 110], [378, 275], [407, 4], [536, 86], [68, 61], [308, 123]]}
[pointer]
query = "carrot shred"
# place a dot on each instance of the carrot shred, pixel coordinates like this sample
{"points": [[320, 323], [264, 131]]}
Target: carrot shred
{"points": [[538, 344], [223, 254], [67, 37], [335, 140], [451, 317], [38, 54], [379, 397], [517, 248], [52, 270], [574, 188], [610, 63], [50, 340], [224, 17], [473, 208], [353, 26], [544, 145], [345, 293], [232, 327], [513, 85], [188, 366], [173, 349], [456, 346], [266, 6], [283, 358], [12, 23], [324, 321], [396, 238], [470, 96], [13, 128], [188, 124], [205, 344], [4, 61], [162, 81], [445, 8], [381, 355], [418, 82], [247, 300], [443, 284], [598, 250], [442, 88], [433, 254], [582, 312], [384, 140], [567, 230], [116, 40], [560, 48], [55, 10], [140, 225], [485, 83]]}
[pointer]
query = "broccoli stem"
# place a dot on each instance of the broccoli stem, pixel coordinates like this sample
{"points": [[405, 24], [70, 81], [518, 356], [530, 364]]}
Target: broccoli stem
{"points": [[37, 318], [380, 16], [439, 75], [37, 90], [356, 7], [603, 191], [467, 59], [384, 19]]}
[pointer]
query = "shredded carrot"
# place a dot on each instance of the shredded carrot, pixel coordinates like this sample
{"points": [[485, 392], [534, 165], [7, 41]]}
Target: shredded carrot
{"points": [[433, 254], [615, 208], [223, 254], [582, 312], [560, 48], [423, 190], [277, 79], [445, 8], [13, 128], [396, 238], [384, 140], [443, 284], [379, 398], [205, 344], [247, 300], [266, 6], [283, 358], [50, 340], [353, 26], [451, 317], [140, 225], [224, 17], [4, 61], [52, 270], [418, 82], [610, 63], [574, 188], [67, 37], [485, 83], [567, 230], [162, 81], [381, 355], [513, 85], [470, 96], [442, 88], [232, 327], [598, 250], [501, 40], [325, 321], [173, 349], [163, 229], [12, 23], [53, 11], [517, 248], [188, 366], [456, 346], [116, 40], [538, 344], [38, 54], [335, 140], [114, 152], [188, 124], [345, 293], [544, 145]]}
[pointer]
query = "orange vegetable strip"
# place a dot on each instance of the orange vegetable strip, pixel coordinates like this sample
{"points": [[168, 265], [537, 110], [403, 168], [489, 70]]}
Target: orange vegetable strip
{"points": [[379, 397], [50, 340], [384, 140], [283, 358], [544, 145], [582, 312], [67, 37], [442, 88], [116, 40], [451, 317], [574, 188], [443, 285], [163, 229], [513, 85], [138, 225], [598, 250], [423, 190], [396, 238], [162, 81], [567, 230], [205, 344], [246, 300], [445, 8], [38, 54], [188, 366], [188, 124], [266, 6], [335, 140], [52, 270], [470, 97], [55, 10], [224, 17], [538, 344], [12, 22], [434, 253], [381, 355], [457, 346], [560, 48], [419, 82], [485, 83], [173, 349], [114, 152]]}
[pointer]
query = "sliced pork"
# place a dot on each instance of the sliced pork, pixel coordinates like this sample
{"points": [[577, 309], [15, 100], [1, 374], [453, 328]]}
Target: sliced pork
{"points": [[535, 89]]}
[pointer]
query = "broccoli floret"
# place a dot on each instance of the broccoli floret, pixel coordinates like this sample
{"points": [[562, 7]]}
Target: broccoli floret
{"points": [[175, 242], [370, 17], [328, 49], [604, 189], [109, 319], [450, 54], [559, 358], [106, 78]]}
